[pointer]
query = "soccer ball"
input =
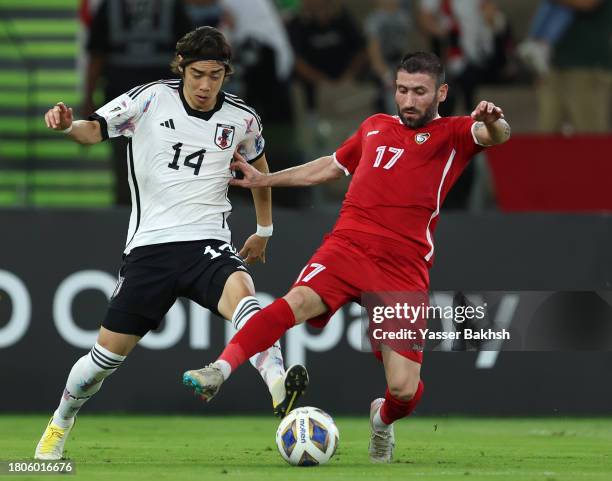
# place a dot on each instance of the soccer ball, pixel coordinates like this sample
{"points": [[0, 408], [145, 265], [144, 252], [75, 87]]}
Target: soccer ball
{"points": [[307, 437]]}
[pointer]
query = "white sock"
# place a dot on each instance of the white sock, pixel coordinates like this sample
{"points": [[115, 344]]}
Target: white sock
{"points": [[378, 423], [84, 380], [270, 362], [225, 368]]}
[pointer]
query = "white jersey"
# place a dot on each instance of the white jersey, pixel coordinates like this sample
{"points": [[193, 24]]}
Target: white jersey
{"points": [[178, 160]]}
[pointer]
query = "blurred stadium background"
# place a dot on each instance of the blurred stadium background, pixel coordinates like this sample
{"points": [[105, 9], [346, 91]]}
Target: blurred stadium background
{"points": [[532, 215]]}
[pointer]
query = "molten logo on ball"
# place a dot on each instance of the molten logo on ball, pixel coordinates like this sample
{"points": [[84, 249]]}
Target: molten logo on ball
{"points": [[317, 433]]}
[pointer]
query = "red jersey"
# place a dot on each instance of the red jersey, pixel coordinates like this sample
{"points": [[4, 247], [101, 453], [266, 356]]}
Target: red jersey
{"points": [[401, 177]]}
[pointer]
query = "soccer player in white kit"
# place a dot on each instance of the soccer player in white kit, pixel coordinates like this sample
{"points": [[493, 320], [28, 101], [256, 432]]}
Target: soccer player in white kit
{"points": [[182, 136]]}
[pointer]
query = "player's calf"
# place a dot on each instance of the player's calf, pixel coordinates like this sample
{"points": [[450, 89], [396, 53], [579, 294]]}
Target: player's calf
{"points": [[403, 390], [84, 380], [269, 363], [384, 412]]}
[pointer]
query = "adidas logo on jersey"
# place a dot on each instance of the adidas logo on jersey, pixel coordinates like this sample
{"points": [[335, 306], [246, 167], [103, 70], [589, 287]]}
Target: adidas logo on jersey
{"points": [[168, 123]]}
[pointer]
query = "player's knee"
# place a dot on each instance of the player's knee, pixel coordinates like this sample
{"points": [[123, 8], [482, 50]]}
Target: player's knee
{"points": [[117, 343], [304, 303], [229, 291], [240, 284], [233, 288], [403, 389], [297, 300]]}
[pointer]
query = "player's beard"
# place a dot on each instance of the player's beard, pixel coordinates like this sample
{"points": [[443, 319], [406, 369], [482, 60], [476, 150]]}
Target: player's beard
{"points": [[420, 121]]}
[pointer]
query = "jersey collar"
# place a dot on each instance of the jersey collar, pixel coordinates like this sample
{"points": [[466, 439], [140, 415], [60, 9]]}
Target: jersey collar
{"points": [[198, 113]]}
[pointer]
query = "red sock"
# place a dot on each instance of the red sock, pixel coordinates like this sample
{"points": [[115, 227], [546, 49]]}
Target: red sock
{"points": [[259, 333], [394, 409]]}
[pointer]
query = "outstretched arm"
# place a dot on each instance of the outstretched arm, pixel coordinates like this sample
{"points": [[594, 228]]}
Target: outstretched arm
{"points": [[81, 131], [316, 172], [262, 196], [254, 248], [490, 128]]}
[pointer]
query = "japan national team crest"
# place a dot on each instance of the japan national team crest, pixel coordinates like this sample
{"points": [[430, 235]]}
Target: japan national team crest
{"points": [[421, 138], [224, 136]]}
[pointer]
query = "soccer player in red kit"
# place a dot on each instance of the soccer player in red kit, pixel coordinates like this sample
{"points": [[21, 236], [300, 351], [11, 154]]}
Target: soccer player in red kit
{"points": [[403, 166]]}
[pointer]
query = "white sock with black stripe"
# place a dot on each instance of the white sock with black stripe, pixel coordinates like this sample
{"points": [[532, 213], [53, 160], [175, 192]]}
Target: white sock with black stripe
{"points": [[270, 362], [84, 380]]}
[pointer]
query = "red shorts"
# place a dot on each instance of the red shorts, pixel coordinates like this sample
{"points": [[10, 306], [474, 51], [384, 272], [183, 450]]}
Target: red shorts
{"points": [[350, 263]]}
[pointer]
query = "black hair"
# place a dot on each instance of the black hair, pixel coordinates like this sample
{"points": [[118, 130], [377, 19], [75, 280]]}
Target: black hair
{"points": [[424, 62], [203, 43]]}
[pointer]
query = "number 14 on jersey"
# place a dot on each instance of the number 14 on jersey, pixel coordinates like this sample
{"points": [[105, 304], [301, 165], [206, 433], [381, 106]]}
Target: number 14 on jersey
{"points": [[199, 156]]}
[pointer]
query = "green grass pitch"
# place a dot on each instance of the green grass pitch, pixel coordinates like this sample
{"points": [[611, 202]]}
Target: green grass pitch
{"points": [[121, 447]]}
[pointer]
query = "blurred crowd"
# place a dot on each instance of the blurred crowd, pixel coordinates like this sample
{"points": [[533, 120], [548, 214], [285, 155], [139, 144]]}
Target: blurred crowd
{"points": [[315, 68]]}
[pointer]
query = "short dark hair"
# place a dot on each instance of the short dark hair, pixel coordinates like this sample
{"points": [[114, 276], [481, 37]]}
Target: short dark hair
{"points": [[203, 43], [424, 62]]}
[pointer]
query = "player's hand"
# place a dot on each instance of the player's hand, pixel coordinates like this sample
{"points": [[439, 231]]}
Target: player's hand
{"points": [[254, 249], [251, 176], [59, 117], [487, 112]]}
